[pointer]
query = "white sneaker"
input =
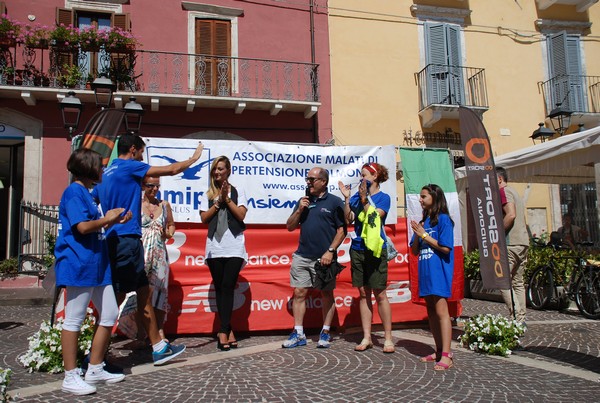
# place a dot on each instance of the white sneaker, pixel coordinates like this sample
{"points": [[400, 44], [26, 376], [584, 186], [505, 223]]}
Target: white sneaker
{"points": [[100, 375], [74, 384]]}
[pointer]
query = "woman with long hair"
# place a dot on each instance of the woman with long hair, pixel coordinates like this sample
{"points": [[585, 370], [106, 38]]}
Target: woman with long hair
{"points": [[433, 242], [368, 251], [223, 208]]}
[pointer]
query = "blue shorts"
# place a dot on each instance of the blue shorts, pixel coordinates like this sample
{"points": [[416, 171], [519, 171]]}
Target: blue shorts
{"points": [[126, 255]]}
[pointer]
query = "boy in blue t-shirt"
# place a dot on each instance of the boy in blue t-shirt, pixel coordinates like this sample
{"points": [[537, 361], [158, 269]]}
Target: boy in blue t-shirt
{"points": [[122, 186]]}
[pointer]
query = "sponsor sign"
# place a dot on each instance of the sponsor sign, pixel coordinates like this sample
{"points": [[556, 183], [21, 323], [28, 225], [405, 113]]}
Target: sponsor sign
{"points": [[272, 174], [484, 195]]}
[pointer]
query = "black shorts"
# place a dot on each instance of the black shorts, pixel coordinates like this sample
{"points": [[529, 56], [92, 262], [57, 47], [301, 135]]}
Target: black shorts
{"points": [[126, 254]]}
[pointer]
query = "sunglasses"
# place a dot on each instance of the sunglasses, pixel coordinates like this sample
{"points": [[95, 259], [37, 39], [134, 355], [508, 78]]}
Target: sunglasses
{"points": [[311, 179], [152, 185]]}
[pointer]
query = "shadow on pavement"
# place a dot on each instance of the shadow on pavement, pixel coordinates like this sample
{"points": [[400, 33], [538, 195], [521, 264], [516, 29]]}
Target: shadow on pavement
{"points": [[581, 360]]}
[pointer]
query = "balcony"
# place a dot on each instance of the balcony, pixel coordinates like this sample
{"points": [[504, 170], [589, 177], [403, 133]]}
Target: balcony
{"points": [[443, 88], [579, 94], [162, 78]]}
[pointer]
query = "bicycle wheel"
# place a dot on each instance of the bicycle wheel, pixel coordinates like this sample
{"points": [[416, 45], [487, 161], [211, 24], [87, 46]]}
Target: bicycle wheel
{"points": [[587, 294], [541, 285]]}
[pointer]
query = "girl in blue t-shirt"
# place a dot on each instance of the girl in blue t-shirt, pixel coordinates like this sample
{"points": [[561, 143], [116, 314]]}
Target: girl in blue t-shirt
{"points": [[82, 267], [433, 242]]}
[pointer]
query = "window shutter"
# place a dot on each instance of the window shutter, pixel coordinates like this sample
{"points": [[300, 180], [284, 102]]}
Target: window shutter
{"points": [[212, 38], [122, 21], [62, 59], [442, 47], [564, 59], [64, 16]]}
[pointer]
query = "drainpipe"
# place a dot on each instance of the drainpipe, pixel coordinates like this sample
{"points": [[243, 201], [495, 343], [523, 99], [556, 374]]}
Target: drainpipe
{"points": [[315, 123]]}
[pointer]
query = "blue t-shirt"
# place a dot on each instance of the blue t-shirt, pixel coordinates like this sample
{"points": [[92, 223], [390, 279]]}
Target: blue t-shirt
{"points": [[81, 260], [318, 225], [436, 268], [382, 201], [122, 187]]}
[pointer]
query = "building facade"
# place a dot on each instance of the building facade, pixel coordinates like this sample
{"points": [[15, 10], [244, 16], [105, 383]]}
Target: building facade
{"points": [[216, 69], [400, 70]]}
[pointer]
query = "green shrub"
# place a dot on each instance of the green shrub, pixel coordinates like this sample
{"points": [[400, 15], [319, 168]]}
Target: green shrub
{"points": [[9, 267]]}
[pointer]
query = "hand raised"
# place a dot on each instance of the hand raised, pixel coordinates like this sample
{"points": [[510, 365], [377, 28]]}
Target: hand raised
{"points": [[198, 151], [344, 189]]}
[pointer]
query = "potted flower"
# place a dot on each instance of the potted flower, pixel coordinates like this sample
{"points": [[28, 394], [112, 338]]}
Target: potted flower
{"points": [[64, 36], [9, 31], [37, 36], [89, 39], [117, 40], [71, 76]]}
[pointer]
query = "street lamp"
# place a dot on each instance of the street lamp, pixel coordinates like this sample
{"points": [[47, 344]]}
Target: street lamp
{"points": [[560, 117], [133, 116], [103, 91], [71, 107], [541, 133]]}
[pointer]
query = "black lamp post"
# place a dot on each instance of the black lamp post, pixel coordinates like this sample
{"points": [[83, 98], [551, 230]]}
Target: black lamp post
{"points": [[71, 107], [133, 116], [103, 91], [560, 118], [541, 133]]}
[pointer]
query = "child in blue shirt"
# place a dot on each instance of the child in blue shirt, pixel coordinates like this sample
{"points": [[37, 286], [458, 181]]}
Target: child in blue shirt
{"points": [[82, 267]]}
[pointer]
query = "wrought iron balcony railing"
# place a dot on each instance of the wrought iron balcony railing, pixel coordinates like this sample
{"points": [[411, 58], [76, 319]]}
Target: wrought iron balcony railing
{"points": [[161, 73], [579, 94], [441, 84]]}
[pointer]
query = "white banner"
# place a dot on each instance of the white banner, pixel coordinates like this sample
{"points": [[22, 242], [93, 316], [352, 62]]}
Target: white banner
{"points": [[272, 174]]}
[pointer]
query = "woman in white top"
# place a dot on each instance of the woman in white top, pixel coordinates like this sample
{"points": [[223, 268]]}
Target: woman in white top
{"points": [[223, 208]]}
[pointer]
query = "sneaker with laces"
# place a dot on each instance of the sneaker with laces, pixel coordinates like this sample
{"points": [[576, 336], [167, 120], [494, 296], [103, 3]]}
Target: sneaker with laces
{"points": [[168, 353], [102, 375], [324, 340], [295, 340], [112, 368], [75, 385]]}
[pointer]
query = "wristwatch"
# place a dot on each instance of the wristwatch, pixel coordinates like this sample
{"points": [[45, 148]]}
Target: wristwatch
{"points": [[331, 250]]}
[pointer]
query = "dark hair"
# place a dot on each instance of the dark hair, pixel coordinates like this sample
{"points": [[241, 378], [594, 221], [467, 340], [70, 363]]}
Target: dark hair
{"points": [[381, 172], [440, 206], [502, 173], [85, 164], [128, 140]]}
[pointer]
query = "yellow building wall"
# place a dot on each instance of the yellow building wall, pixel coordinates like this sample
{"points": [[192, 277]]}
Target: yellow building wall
{"points": [[377, 48]]}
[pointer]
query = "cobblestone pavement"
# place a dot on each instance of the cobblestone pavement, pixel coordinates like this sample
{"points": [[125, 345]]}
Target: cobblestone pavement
{"points": [[560, 362]]}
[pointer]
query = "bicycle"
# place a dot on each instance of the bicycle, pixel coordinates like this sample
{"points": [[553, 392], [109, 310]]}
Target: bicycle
{"points": [[583, 286]]}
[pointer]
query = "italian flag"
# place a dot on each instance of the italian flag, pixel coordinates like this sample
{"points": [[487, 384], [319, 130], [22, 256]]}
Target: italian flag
{"points": [[422, 166]]}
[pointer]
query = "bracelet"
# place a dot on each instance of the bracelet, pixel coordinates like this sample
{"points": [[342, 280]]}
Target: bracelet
{"points": [[425, 235], [227, 200]]}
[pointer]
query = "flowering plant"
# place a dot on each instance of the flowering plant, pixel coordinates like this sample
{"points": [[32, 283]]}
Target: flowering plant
{"points": [[45, 351], [64, 34], [4, 381], [116, 39], [9, 28], [34, 36], [491, 334]]}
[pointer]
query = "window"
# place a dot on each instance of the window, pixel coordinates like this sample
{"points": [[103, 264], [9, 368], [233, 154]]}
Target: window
{"points": [[213, 68], [90, 63], [565, 71], [443, 57]]}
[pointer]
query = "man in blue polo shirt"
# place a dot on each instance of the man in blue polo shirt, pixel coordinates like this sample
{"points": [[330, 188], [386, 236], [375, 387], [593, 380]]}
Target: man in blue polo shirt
{"points": [[320, 216], [122, 186]]}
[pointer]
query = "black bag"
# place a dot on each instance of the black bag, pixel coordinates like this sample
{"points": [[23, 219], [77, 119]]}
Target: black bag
{"points": [[325, 274]]}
